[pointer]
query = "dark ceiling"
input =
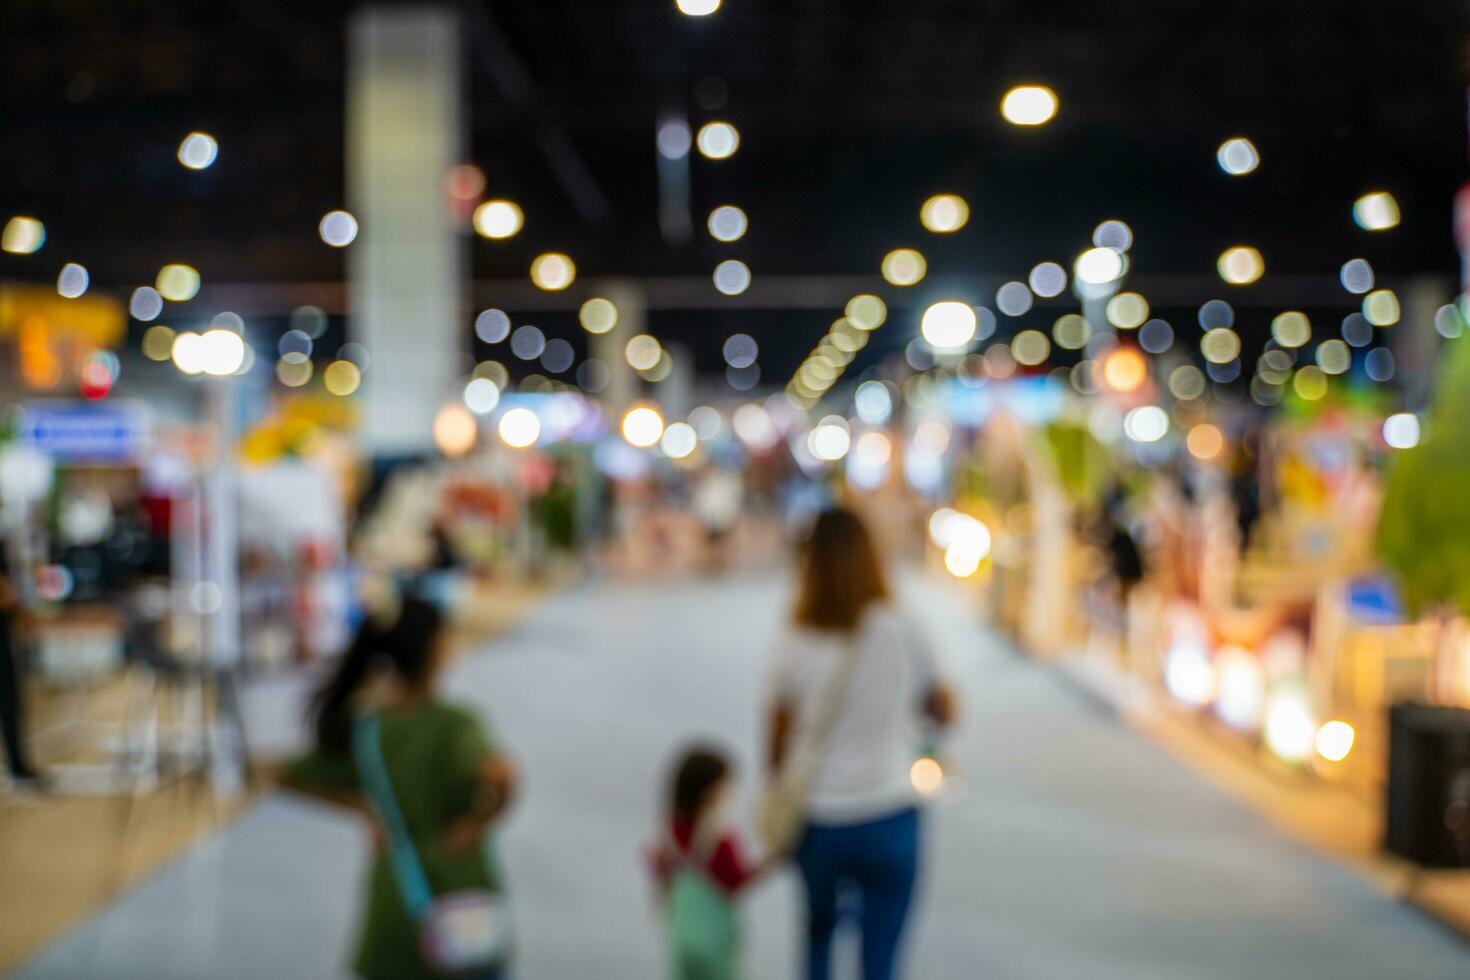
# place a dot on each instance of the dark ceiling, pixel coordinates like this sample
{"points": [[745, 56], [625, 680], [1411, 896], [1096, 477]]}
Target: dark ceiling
{"points": [[851, 112]]}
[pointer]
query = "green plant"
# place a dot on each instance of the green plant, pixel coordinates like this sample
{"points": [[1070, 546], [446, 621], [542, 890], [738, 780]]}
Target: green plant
{"points": [[1424, 527]]}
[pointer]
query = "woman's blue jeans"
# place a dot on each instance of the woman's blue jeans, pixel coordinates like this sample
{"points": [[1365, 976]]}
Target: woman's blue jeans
{"points": [[878, 860]]}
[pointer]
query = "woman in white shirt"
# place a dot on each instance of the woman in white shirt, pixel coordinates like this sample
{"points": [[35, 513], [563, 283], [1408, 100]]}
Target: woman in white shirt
{"points": [[857, 730]]}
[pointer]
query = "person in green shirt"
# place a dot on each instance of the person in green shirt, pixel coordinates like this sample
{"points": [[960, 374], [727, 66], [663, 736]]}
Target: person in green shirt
{"points": [[451, 781]]}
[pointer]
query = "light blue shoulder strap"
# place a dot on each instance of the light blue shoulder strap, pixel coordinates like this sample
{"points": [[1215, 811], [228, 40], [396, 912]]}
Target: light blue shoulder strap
{"points": [[413, 884]]}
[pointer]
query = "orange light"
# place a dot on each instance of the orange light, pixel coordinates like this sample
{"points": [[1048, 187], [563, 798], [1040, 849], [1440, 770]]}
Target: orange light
{"points": [[39, 365], [1125, 370], [1205, 441]]}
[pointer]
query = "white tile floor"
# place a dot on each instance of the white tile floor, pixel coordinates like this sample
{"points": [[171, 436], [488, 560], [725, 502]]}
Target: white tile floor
{"points": [[1078, 851]]}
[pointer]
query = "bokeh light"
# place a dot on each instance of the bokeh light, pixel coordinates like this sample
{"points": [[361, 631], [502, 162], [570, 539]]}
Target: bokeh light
{"points": [[873, 449], [498, 219], [1030, 347], [221, 352], [337, 228], [1216, 313], [455, 430], [740, 350], [73, 280], [873, 402], [866, 312], [494, 372], [727, 223], [342, 378], [1071, 331], [1205, 441], [1014, 299], [598, 315], [1356, 276], [1156, 336], [158, 342], [1401, 430], [643, 352], [1029, 105], [188, 352], [732, 277], [528, 342], [1379, 364], [198, 150], [1237, 156], [553, 271], [674, 139], [707, 422], [1098, 266], [948, 325], [1334, 356], [944, 213], [1310, 383], [1146, 423], [1047, 279], [1124, 370], [1449, 321], [1291, 329], [1127, 311], [1356, 330], [558, 356], [1376, 211], [464, 181], [830, 440], [753, 426], [1186, 382], [1241, 265], [1290, 730], [643, 426], [492, 326], [1334, 740], [1381, 308], [178, 283], [904, 267], [1220, 345], [519, 428], [926, 776], [23, 235], [1113, 234], [679, 440], [718, 140], [293, 373], [698, 8]]}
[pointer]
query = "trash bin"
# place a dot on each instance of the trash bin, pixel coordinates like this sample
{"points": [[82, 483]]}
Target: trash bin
{"points": [[1428, 802]]}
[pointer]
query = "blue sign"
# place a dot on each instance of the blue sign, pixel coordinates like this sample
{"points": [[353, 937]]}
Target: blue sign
{"points": [[87, 432]]}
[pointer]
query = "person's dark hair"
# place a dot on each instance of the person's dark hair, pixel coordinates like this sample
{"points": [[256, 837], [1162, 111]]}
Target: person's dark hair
{"points": [[840, 573], [699, 771], [403, 646]]}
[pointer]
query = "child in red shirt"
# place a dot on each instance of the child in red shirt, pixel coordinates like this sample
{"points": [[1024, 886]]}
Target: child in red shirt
{"points": [[700, 868]]}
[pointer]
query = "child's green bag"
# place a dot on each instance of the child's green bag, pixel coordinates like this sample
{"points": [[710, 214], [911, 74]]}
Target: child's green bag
{"points": [[703, 928]]}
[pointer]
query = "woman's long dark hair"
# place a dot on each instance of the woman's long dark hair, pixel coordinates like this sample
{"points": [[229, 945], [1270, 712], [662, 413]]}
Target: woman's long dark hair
{"points": [[840, 573], [403, 646]]}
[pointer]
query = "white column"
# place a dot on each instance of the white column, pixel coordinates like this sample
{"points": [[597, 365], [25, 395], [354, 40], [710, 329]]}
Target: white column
{"points": [[407, 265]]}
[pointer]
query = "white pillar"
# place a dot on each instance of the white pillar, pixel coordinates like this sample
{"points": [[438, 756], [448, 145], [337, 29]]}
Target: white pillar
{"points": [[407, 265]]}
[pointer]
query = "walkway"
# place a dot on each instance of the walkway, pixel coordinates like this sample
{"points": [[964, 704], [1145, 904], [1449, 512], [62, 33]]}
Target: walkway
{"points": [[1079, 850]]}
